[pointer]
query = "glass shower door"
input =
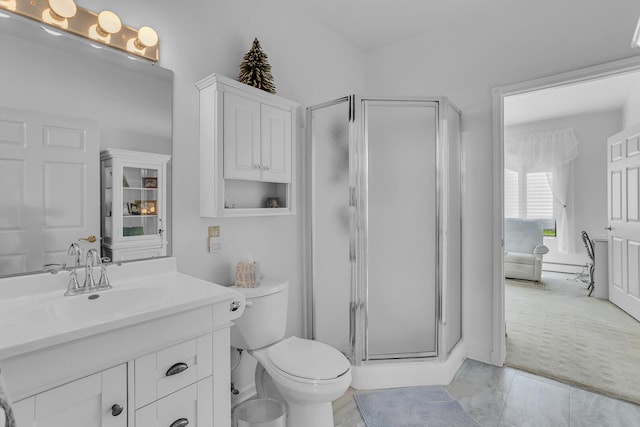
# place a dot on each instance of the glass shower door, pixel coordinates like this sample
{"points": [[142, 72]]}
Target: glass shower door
{"points": [[330, 223], [400, 174]]}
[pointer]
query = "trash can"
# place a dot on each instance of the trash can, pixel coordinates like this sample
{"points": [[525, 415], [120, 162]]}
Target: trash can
{"points": [[261, 413]]}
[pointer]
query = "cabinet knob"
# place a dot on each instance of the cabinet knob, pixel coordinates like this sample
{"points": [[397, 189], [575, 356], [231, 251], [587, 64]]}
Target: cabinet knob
{"points": [[265, 168], [257, 166], [235, 305], [181, 422], [116, 409], [176, 369]]}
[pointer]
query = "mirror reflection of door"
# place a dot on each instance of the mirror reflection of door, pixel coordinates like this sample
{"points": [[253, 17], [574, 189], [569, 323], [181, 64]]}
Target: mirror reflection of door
{"points": [[49, 167]]}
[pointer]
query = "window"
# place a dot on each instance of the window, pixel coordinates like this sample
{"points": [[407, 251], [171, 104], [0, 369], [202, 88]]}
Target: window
{"points": [[529, 195]]}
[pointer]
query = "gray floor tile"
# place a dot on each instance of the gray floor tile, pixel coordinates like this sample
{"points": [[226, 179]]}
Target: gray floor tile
{"points": [[482, 391], [534, 403], [595, 410], [508, 397]]}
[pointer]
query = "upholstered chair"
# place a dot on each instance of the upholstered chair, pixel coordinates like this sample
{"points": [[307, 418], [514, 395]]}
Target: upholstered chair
{"points": [[523, 249]]}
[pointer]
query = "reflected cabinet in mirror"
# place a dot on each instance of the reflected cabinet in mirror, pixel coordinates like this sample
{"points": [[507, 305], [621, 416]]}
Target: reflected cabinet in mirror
{"points": [[62, 103]]}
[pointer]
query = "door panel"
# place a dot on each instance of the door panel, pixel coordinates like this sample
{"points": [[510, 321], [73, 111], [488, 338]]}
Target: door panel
{"points": [[49, 170], [331, 217], [623, 170], [85, 402], [276, 144], [402, 204], [241, 138]]}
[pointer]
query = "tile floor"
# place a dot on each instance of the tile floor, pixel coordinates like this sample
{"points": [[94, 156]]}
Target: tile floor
{"points": [[506, 397]]}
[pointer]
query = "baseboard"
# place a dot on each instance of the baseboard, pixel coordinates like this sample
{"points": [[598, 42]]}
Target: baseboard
{"points": [[490, 358]]}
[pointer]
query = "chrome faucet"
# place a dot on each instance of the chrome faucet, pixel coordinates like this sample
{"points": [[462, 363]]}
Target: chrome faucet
{"points": [[76, 253], [91, 261], [89, 285]]}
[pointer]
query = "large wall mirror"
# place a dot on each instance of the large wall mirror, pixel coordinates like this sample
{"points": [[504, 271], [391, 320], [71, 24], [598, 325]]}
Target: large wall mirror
{"points": [[91, 99]]}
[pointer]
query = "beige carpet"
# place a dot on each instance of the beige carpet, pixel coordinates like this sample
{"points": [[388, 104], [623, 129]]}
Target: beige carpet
{"points": [[563, 334]]}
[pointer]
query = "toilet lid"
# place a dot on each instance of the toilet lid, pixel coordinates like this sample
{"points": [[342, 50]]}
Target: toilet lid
{"points": [[308, 359]]}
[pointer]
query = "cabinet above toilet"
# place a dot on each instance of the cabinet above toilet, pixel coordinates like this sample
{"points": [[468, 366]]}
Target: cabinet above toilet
{"points": [[247, 150]]}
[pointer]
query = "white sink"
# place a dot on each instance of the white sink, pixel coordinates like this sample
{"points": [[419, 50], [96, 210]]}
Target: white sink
{"points": [[109, 304], [43, 318]]}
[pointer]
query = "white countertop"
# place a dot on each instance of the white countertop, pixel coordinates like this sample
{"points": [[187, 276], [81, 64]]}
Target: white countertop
{"points": [[34, 314]]}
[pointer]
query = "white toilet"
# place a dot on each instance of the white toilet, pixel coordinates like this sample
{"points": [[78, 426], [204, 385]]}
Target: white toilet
{"points": [[307, 375]]}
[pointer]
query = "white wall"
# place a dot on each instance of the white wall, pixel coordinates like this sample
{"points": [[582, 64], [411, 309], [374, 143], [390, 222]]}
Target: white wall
{"points": [[631, 110], [589, 176], [464, 59], [310, 65]]}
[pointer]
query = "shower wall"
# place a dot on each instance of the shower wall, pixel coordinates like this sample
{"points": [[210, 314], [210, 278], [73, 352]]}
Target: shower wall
{"points": [[385, 261]]}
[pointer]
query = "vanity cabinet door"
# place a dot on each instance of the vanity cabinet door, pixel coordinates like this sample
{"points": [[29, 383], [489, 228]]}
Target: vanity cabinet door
{"points": [[99, 400]]}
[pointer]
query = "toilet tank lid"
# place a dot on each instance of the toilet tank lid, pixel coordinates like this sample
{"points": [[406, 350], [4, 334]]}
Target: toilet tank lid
{"points": [[266, 287]]}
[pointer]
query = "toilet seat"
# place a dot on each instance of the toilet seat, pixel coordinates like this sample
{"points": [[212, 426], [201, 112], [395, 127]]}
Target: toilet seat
{"points": [[307, 359]]}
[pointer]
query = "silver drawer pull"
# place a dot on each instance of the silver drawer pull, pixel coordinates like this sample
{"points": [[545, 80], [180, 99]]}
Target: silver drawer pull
{"points": [[235, 305], [181, 422], [176, 369]]}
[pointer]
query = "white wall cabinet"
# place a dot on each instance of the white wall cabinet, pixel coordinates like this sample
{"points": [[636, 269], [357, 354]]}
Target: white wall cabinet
{"points": [[99, 400], [247, 150], [133, 204]]}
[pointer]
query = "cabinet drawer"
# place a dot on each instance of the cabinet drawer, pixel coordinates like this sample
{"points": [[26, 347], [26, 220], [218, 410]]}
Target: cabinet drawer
{"points": [[162, 373], [193, 404]]}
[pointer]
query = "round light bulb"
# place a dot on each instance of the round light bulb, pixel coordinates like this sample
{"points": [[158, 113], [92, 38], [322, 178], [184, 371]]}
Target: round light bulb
{"points": [[109, 22], [63, 8], [8, 4], [147, 37]]}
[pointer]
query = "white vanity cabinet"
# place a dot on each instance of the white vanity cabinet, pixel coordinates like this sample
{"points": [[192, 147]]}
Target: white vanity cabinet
{"points": [[158, 357], [97, 400], [133, 204], [247, 150]]}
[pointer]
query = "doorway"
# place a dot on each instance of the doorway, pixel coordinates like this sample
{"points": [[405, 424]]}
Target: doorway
{"points": [[504, 127]]}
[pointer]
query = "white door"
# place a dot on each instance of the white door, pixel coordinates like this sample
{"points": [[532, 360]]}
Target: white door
{"points": [[241, 138], [49, 180], [98, 400], [623, 198]]}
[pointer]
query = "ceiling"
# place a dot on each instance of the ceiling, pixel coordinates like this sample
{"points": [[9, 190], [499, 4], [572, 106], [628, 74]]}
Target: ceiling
{"points": [[589, 97], [370, 25]]}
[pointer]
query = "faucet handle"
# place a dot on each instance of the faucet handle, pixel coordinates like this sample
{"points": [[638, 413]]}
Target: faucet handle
{"points": [[104, 279]]}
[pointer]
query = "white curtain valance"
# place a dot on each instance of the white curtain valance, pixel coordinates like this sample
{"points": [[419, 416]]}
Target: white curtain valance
{"points": [[540, 151]]}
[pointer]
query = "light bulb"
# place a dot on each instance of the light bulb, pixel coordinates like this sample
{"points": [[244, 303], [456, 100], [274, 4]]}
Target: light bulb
{"points": [[59, 12], [9, 5], [147, 37], [108, 23]]}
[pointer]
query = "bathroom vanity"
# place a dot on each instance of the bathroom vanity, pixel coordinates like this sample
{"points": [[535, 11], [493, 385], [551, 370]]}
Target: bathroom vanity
{"points": [[152, 351]]}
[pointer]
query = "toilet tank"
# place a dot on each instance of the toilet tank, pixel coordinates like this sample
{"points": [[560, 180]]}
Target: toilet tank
{"points": [[264, 320]]}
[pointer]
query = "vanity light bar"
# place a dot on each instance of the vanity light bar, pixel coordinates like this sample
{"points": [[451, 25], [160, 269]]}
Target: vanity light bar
{"points": [[104, 28]]}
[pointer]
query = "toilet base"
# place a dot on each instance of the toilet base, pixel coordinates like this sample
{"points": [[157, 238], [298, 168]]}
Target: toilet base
{"points": [[316, 415]]}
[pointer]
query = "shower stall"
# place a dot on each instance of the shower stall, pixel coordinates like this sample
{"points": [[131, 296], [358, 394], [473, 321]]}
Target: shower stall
{"points": [[384, 237]]}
